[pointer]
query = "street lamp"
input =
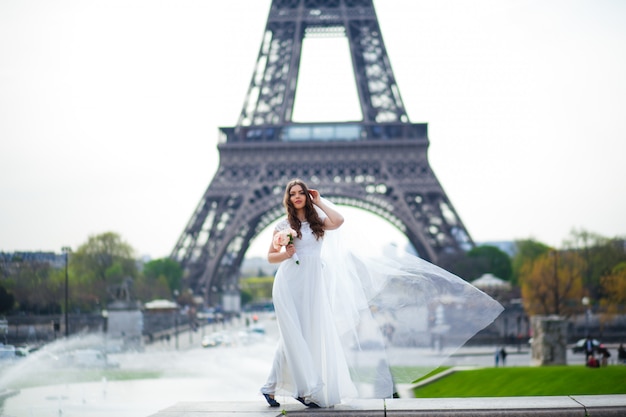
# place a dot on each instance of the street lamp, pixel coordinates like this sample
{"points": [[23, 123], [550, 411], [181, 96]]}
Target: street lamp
{"points": [[66, 250], [176, 293], [105, 324], [585, 302]]}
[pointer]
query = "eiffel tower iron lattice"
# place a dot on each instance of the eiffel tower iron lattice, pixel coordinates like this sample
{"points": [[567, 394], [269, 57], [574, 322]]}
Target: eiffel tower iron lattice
{"points": [[378, 164]]}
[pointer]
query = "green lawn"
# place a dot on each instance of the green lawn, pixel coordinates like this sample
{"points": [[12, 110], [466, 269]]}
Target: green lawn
{"points": [[484, 382], [527, 381]]}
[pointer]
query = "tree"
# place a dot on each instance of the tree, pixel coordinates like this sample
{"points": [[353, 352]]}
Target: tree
{"points": [[146, 289], [105, 256], [246, 297], [99, 265], [36, 287], [601, 255], [7, 300], [166, 268], [476, 262], [614, 289], [493, 260], [552, 284], [526, 250], [257, 288]]}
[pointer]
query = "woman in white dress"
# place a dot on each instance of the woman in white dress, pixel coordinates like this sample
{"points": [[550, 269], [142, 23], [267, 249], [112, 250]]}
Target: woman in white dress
{"points": [[306, 365], [345, 320]]}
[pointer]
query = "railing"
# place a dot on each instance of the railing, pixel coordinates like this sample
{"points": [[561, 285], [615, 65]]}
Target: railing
{"points": [[320, 132]]}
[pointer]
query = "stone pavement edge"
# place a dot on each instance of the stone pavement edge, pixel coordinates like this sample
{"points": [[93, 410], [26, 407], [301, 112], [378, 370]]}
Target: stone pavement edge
{"points": [[558, 406]]}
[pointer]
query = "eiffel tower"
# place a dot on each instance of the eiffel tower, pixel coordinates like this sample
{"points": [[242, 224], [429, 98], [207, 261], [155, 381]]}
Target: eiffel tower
{"points": [[378, 164]]}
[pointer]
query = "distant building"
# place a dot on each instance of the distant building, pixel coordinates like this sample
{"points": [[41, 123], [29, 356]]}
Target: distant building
{"points": [[8, 260], [491, 282]]}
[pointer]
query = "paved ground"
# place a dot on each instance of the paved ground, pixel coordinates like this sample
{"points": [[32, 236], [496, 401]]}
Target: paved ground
{"points": [[578, 406], [224, 381]]}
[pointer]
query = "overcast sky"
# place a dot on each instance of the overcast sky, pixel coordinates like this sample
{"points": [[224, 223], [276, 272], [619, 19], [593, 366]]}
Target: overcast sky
{"points": [[109, 111]]}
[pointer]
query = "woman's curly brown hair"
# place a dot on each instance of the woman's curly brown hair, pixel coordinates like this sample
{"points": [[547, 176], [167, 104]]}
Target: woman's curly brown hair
{"points": [[316, 223]]}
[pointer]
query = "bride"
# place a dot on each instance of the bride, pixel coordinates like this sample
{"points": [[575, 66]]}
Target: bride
{"points": [[345, 320]]}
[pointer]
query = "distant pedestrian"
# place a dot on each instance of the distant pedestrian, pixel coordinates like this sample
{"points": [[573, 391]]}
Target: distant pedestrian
{"points": [[503, 354], [588, 348], [592, 362], [604, 355], [621, 354]]}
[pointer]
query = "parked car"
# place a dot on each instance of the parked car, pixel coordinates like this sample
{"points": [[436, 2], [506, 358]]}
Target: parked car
{"points": [[216, 339], [257, 328], [579, 347]]}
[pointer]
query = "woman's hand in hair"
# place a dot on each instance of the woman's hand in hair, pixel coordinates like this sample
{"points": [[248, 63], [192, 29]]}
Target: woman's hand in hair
{"points": [[315, 196]]}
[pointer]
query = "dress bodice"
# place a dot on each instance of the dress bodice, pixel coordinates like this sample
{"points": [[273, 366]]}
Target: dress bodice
{"points": [[308, 245]]}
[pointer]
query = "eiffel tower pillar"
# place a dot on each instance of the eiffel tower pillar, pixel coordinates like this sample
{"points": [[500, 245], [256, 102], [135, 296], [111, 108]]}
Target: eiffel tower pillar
{"points": [[379, 163]]}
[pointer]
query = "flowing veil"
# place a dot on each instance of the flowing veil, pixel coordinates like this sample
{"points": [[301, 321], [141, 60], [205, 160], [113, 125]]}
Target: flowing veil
{"points": [[399, 317]]}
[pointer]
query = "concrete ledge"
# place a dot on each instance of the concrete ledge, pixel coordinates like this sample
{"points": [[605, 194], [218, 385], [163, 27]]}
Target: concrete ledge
{"points": [[575, 406]]}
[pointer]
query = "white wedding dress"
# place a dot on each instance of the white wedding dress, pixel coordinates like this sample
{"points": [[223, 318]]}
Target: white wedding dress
{"points": [[344, 321], [309, 361]]}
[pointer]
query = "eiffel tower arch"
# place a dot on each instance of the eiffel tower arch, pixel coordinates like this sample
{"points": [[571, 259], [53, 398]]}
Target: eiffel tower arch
{"points": [[378, 164]]}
